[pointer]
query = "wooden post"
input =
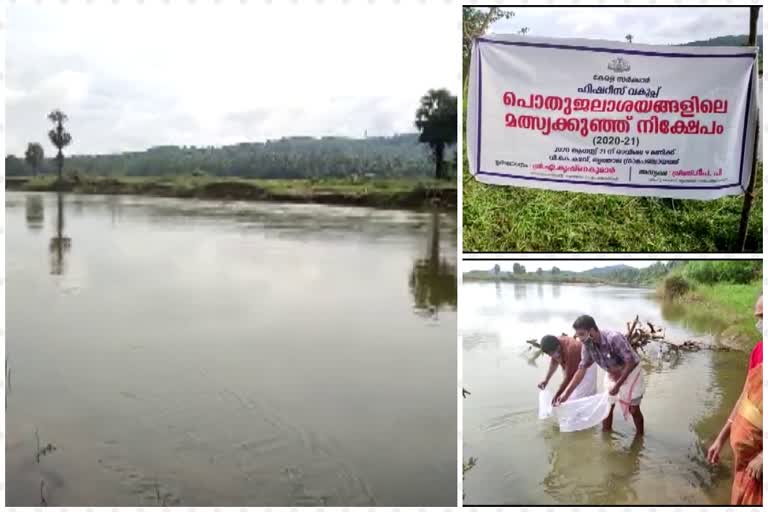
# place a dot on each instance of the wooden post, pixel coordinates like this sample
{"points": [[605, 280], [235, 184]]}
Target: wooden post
{"points": [[749, 193]]}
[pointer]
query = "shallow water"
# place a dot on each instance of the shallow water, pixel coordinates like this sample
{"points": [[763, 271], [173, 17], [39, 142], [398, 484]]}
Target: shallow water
{"points": [[522, 460], [207, 353]]}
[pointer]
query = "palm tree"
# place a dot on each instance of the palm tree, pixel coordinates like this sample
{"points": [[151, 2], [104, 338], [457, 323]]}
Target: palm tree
{"points": [[629, 38], [524, 31], [436, 121], [59, 137], [34, 156]]}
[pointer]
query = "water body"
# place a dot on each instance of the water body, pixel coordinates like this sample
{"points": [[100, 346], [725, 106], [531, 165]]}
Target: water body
{"points": [[200, 353], [522, 460]]}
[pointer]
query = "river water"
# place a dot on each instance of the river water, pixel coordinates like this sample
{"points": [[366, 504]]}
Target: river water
{"points": [[522, 460], [185, 352]]}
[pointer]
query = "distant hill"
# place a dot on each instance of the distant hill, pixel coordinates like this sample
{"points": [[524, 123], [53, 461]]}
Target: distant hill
{"points": [[609, 270], [615, 274], [740, 40]]}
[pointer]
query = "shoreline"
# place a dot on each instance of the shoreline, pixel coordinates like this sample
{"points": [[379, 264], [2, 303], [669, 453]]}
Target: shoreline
{"points": [[385, 193], [733, 303]]}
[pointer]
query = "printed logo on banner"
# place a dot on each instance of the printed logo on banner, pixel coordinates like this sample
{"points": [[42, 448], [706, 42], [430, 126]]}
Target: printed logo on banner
{"points": [[601, 117], [619, 65]]}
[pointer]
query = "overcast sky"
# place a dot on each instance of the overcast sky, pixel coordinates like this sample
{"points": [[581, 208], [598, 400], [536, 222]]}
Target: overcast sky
{"points": [[648, 25], [572, 265], [135, 76]]}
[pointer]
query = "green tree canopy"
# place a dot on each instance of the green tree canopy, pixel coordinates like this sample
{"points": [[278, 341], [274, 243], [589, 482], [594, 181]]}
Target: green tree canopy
{"points": [[436, 119], [34, 156]]}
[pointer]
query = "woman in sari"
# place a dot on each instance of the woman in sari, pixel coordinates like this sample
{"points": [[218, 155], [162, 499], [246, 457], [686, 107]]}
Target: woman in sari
{"points": [[744, 428]]}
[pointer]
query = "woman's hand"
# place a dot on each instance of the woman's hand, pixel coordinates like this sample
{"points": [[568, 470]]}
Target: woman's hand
{"points": [[755, 467], [713, 454], [542, 384]]}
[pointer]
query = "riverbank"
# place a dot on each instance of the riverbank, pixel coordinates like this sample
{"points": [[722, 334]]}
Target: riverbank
{"points": [[384, 193], [734, 303]]}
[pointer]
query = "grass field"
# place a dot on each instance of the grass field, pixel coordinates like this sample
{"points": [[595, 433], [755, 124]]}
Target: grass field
{"points": [[512, 219]]}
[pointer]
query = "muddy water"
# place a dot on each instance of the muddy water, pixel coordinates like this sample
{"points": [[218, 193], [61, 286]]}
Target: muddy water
{"points": [[202, 353], [521, 460]]}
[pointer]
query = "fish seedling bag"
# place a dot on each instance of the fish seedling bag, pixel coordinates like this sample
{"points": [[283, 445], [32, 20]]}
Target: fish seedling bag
{"points": [[575, 415]]}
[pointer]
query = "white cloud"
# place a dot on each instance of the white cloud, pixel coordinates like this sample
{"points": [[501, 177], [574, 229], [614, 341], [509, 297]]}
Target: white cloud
{"points": [[133, 76]]}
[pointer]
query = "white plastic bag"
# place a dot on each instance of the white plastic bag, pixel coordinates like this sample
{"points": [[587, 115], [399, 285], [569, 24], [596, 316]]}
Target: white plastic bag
{"points": [[545, 404], [582, 413]]}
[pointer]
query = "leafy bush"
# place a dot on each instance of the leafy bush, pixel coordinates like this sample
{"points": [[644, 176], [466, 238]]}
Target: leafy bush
{"points": [[727, 271], [675, 286]]}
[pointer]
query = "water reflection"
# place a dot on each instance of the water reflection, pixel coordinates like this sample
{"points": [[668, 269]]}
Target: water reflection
{"points": [[520, 290], [699, 322], [433, 279], [60, 244], [556, 290], [35, 212], [611, 462]]}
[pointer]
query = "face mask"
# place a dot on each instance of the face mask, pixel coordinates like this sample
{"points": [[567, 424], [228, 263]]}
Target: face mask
{"points": [[759, 325]]}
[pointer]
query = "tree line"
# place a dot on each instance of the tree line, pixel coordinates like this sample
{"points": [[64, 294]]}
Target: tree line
{"points": [[431, 151]]}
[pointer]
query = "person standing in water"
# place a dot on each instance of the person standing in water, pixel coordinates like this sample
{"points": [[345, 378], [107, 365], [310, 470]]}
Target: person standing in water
{"points": [[565, 352], [611, 351], [744, 430]]}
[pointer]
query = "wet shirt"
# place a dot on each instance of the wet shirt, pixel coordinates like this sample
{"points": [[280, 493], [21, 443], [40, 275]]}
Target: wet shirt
{"points": [[612, 352]]}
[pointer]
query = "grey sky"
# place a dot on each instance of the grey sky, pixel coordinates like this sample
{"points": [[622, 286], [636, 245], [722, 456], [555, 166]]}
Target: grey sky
{"points": [[572, 265], [648, 25], [133, 76]]}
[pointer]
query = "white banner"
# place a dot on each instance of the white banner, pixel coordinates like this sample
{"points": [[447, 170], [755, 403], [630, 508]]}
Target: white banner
{"points": [[612, 118]]}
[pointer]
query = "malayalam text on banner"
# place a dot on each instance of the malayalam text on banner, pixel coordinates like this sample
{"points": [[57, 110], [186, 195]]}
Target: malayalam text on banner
{"points": [[615, 118]]}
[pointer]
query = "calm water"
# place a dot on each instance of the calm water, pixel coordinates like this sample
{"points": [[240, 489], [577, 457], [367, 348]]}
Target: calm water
{"points": [[521, 460], [203, 353]]}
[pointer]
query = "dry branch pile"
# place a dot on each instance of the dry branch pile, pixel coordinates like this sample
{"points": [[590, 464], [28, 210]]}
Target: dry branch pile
{"points": [[640, 334]]}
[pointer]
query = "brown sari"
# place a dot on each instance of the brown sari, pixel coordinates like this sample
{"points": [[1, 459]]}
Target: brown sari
{"points": [[747, 440]]}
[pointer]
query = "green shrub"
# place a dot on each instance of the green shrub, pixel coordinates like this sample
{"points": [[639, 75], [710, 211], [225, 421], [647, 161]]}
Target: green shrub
{"points": [[675, 286], [728, 271]]}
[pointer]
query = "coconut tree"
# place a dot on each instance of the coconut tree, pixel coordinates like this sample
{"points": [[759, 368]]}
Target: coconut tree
{"points": [[59, 137], [34, 156], [629, 38], [436, 121]]}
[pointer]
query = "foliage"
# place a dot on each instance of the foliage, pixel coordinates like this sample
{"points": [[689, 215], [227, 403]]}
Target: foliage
{"points": [[675, 286], [723, 271], [34, 156], [514, 219], [15, 166], [288, 158], [475, 24], [517, 268], [436, 120], [58, 136]]}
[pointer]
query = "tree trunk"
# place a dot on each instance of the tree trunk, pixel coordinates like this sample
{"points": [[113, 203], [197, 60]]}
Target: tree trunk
{"points": [[60, 162], [439, 149]]}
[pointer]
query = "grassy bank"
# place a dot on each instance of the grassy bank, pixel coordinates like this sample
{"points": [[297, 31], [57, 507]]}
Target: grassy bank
{"points": [[734, 303], [384, 193], [726, 290], [513, 219]]}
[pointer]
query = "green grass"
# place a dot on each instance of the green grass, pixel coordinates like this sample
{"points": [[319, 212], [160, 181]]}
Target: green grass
{"points": [[734, 302], [513, 219]]}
